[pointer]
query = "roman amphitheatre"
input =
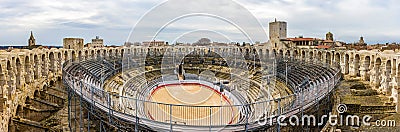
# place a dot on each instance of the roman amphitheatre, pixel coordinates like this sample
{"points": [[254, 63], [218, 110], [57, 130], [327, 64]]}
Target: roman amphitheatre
{"points": [[219, 87]]}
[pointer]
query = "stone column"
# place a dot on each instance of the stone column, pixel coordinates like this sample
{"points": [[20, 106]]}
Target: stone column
{"points": [[384, 84], [364, 70], [374, 77]]}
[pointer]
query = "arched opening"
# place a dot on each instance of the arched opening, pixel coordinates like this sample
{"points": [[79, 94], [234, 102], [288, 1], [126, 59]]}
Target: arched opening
{"points": [[328, 58], [65, 55], [274, 53], [376, 76], [80, 55], [73, 56], [267, 54], [337, 58], [27, 69], [98, 53], [59, 62], [52, 65], [303, 54], [386, 78], [9, 79], [86, 54], [44, 62], [311, 55], [319, 56], [18, 74], [92, 54], [280, 54], [346, 61], [287, 54], [295, 54], [357, 65], [367, 63], [36, 65]]}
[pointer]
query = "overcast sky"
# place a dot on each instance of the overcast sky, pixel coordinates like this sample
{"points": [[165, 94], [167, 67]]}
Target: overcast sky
{"points": [[377, 20]]}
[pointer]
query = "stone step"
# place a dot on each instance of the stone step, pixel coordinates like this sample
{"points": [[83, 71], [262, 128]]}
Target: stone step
{"points": [[29, 122], [55, 95], [59, 90], [47, 102]]}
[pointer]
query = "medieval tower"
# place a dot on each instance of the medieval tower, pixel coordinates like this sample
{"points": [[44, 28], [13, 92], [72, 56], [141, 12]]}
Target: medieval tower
{"points": [[277, 31]]}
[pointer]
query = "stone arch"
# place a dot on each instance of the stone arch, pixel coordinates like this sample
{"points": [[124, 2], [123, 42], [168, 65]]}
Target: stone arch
{"points": [[80, 55], [280, 54], [104, 53], [9, 79], [311, 55], [52, 62], [346, 63], [18, 74], [319, 56], [386, 78], [65, 55], [295, 54], [27, 69], [328, 58], [59, 57], [376, 73], [287, 54], [303, 54], [73, 55], [267, 53], [86, 54], [98, 54], [59, 62], [36, 64], [357, 65], [274, 53], [366, 65], [44, 62], [260, 53], [337, 58], [92, 54]]}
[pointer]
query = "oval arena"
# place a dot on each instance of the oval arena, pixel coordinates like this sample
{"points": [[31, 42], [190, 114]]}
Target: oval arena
{"points": [[194, 89]]}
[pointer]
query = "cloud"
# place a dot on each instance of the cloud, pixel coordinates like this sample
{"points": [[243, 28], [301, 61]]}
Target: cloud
{"points": [[376, 20]]}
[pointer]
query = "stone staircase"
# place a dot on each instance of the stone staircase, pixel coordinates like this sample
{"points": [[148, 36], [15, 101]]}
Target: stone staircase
{"points": [[46, 111]]}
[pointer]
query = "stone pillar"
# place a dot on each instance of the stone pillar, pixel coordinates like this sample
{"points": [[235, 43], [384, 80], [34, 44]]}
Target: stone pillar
{"points": [[384, 84], [394, 85], [375, 77], [364, 70]]}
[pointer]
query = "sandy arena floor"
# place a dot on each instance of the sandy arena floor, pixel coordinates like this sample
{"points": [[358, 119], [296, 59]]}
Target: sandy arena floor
{"points": [[197, 96]]}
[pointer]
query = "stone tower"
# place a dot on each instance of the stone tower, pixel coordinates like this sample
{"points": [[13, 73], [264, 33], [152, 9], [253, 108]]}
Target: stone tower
{"points": [[361, 41], [277, 31], [329, 36], [31, 40], [73, 43]]}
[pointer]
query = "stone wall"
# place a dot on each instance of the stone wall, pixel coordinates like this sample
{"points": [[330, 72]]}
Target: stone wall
{"points": [[22, 72]]}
